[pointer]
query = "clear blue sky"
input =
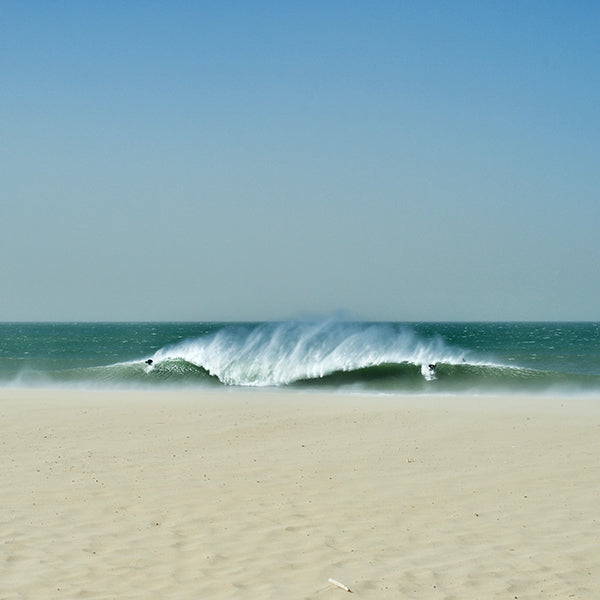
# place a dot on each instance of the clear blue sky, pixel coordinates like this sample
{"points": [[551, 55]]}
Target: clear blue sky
{"points": [[264, 160]]}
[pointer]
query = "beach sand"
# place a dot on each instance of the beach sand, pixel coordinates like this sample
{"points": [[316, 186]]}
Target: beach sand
{"points": [[255, 495]]}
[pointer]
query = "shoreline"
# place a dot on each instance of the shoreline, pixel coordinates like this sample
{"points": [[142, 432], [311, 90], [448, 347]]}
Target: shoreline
{"points": [[162, 493]]}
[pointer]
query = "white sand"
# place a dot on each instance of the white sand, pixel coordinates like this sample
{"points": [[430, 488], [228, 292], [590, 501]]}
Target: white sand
{"points": [[257, 495]]}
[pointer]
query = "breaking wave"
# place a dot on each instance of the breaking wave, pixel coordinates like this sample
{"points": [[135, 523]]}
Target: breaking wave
{"points": [[276, 354]]}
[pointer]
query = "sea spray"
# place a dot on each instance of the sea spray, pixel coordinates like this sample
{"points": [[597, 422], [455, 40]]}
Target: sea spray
{"points": [[275, 354]]}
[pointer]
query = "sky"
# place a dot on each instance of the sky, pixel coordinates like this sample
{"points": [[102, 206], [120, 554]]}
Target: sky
{"points": [[200, 161]]}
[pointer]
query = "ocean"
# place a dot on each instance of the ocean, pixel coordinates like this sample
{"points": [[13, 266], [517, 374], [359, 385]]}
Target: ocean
{"points": [[329, 354]]}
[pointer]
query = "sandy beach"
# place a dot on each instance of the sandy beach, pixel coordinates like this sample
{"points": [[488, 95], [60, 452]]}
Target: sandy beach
{"points": [[263, 495]]}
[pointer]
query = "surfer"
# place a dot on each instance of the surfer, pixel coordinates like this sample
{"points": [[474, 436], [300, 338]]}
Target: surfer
{"points": [[431, 367], [149, 362]]}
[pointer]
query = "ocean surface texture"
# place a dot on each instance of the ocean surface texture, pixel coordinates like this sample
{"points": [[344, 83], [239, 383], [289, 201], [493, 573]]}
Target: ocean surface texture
{"points": [[328, 354]]}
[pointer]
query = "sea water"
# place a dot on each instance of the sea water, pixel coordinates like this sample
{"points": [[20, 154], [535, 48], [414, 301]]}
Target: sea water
{"points": [[322, 354]]}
